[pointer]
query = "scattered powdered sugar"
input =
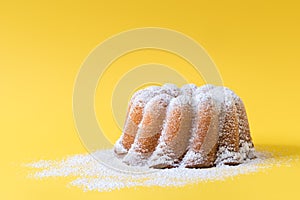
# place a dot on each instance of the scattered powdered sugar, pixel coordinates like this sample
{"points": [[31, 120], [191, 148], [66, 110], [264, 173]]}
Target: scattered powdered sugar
{"points": [[104, 171], [90, 174]]}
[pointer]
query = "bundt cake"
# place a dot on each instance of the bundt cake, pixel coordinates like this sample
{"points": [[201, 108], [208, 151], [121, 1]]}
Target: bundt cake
{"points": [[193, 127]]}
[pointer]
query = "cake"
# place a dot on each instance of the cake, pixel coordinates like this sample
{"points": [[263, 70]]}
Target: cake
{"points": [[193, 127]]}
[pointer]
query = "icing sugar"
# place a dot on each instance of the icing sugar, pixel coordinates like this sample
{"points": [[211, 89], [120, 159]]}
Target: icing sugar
{"points": [[86, 172], [225, 105]]}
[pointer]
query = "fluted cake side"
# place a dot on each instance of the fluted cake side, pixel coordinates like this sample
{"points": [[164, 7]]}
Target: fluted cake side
{"points": [[191, 126]]}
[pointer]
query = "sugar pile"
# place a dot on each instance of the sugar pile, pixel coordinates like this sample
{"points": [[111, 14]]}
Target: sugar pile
{"points": [[90, 174]]}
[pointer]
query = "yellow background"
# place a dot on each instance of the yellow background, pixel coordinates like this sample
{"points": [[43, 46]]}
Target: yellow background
{"points": [[255, 45]]}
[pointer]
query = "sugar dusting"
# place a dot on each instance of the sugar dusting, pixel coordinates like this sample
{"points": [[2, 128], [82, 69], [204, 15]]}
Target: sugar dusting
{"points": [[230, 128], [89, 174]]}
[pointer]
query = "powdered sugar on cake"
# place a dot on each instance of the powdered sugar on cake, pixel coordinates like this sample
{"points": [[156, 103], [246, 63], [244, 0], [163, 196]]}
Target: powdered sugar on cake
{"points": [[225, 138]]}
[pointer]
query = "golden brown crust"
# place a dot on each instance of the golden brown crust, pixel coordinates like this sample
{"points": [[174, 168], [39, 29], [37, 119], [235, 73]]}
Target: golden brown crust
{"points": [[151, 125], [128, 140], [131, 126], [175, 135], [136, 115], [244, 130], [202, 126], [147, 145], [208, 159], [172, 127], [203, 147], [229, 133]]}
